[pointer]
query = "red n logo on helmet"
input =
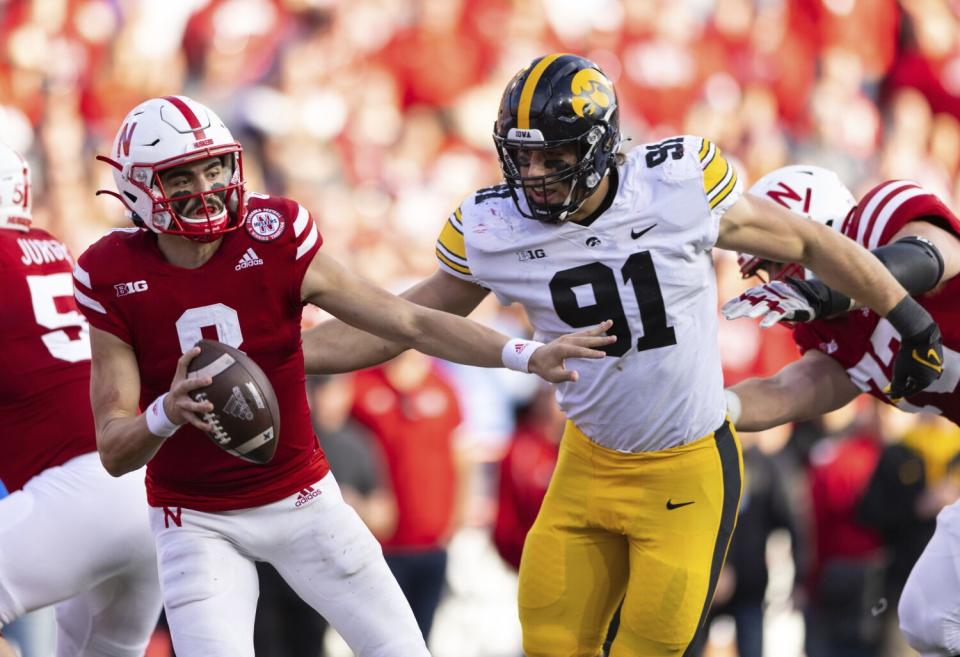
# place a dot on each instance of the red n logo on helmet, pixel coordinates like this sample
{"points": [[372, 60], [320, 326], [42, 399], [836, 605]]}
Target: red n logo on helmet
{"points": [[787, 192], [126, 134]]}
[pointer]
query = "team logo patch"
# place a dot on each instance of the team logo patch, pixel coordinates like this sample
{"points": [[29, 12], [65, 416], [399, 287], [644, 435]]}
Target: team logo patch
{"points": [[265, 225], [592, 93]]}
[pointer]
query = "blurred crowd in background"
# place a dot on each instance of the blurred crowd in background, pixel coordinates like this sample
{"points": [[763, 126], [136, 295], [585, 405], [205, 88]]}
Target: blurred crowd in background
{"points": [[377, 114]]}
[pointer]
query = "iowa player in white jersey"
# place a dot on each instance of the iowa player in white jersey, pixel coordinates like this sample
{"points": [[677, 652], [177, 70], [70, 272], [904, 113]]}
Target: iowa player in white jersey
{"points": [[644, 498]]}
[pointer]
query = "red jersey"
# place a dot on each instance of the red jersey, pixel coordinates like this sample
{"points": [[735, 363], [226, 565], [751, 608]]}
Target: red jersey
{"points": [[863, 342], [415, 430], [525, 474], [248, 296], [839, 474], [44, 359]]}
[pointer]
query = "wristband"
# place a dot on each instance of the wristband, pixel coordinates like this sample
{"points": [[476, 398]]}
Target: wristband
{"points": [[734, 407], [157, 421], [909, 318], [516, 353]]}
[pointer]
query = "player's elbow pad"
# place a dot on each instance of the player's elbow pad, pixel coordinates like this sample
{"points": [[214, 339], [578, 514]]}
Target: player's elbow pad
{"points": [[914, 261]]}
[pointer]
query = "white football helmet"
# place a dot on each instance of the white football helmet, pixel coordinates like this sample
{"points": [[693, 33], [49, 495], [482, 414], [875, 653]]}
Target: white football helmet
{"points": [[15, 196], [176, 131], [814, 192]]}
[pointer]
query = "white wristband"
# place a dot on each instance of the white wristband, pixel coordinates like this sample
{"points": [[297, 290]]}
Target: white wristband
{"points": [[734, 407], [516, 353], [157, 421]]}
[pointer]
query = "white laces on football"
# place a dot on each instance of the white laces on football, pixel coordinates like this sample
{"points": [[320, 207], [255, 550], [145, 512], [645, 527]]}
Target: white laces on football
{"points": [[775, 302]]}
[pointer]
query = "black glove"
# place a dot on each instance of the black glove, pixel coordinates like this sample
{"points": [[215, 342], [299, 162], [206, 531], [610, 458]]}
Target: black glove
{"points": [[920, 359]]}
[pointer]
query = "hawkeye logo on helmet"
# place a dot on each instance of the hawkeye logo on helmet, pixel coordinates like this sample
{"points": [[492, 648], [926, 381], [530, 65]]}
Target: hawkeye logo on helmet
{"points": [[591, 92], [516, 134]]}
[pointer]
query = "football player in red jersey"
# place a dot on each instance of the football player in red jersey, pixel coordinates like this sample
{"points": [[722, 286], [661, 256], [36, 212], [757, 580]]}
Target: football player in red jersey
{"points": [[70, 534], [207, 258], [848, 353]]}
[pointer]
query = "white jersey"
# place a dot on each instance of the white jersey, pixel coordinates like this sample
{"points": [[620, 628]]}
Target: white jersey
{"points": [[645, 263]]}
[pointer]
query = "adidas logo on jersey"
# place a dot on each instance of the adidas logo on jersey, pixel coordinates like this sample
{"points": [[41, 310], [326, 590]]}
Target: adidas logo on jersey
{"points": [[249, 259], [306, 495]]}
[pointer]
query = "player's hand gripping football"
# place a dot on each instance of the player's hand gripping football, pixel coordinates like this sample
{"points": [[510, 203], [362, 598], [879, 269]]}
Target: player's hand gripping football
{"points": [[547, 361], [180, 408], [920, 359]]}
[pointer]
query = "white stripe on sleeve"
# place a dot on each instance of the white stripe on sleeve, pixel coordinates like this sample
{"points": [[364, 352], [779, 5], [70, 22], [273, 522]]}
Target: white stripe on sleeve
{"points": [[888, 211], [81, 275], [84, 300], [301, 221], [308, 243], [879, 197]]}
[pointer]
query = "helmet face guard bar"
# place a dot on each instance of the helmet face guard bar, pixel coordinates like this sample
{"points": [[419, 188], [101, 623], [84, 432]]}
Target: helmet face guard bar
{"points": [[167, 214], [581, 182]]}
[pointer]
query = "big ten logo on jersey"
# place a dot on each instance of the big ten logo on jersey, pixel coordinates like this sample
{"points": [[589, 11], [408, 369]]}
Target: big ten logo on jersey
{"points": [[38, 252], [130, 287], [531, 254]]}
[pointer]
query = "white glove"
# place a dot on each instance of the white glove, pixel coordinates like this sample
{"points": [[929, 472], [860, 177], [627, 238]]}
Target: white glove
{"points": [[775, 302]]}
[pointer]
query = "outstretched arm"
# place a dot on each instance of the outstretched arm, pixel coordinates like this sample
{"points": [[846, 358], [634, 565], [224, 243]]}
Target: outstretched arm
{"points": [[766, 229], [921, 256], [334, 346], [372, 309], [761, 227], [807, 388]]}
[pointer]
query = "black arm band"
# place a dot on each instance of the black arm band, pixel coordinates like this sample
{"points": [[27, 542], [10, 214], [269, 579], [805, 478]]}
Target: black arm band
{"points": [[909, 318], [825, 301], [915, 262]]}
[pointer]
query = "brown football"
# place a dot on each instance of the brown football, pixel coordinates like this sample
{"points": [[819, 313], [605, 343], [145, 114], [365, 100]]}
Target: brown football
{"points": [[245, 416]]}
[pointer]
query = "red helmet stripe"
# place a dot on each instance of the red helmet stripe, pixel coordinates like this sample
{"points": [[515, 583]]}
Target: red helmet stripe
{"points": [[188, 114]]}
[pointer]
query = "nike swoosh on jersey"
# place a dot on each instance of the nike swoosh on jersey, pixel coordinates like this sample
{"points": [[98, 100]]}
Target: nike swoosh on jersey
{"points": [[671, 505], [635, 234]]}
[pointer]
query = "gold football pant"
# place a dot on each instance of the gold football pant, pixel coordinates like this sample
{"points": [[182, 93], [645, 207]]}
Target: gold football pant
{"points": [[651, 529]]}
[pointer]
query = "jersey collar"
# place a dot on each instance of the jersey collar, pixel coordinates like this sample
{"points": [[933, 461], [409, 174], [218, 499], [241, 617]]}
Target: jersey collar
{"points": [[612, 190]]}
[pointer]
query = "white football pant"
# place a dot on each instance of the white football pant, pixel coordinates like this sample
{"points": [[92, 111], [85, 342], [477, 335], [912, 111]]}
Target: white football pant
{"points": [[76, 536], [317, 543], [930, 604]]}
